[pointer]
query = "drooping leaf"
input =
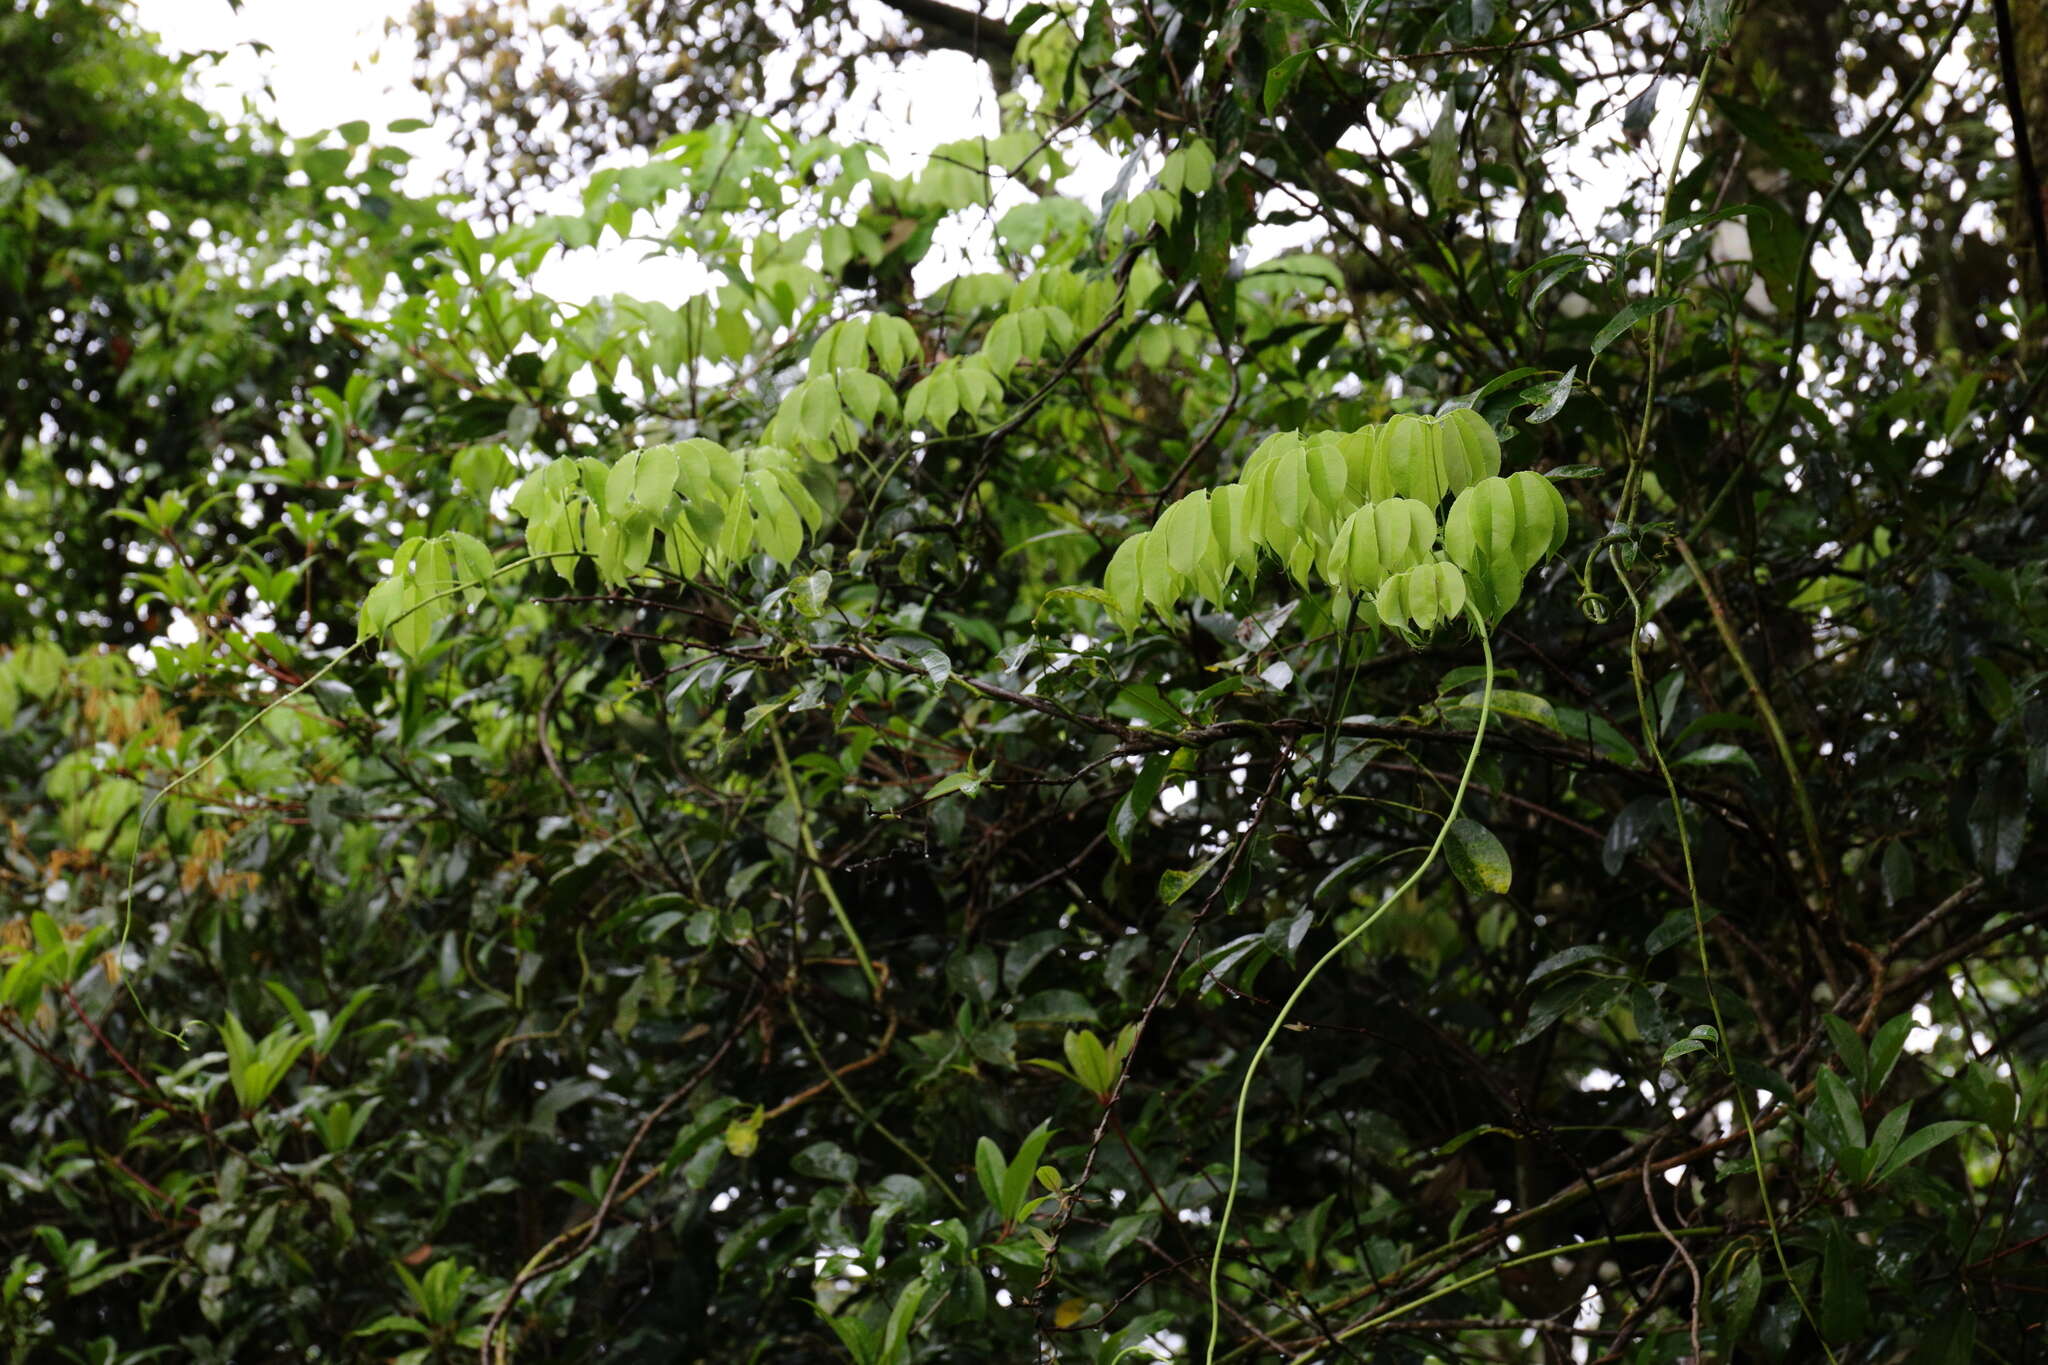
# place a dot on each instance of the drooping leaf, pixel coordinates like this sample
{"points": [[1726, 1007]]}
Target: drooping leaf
{"points": [[1631, 314]]}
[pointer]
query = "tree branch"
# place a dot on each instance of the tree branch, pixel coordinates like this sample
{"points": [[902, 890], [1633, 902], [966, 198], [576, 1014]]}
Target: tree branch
{"points": [[947, 26]]}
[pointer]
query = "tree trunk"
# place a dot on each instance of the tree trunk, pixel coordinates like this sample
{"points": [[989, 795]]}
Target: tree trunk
{"points": [[2023, 70]]}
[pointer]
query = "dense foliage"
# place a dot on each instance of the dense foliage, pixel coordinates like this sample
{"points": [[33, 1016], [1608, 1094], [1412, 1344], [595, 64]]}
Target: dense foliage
{"points": [[1419, 735]]}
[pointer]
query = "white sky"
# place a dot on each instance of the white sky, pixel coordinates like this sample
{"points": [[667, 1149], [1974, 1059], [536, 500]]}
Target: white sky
{"points": [[331, 63], [335, 62]]}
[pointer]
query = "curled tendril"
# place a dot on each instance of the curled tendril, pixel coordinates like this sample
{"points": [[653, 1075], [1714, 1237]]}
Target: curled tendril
{"points": [[1592, 602]]}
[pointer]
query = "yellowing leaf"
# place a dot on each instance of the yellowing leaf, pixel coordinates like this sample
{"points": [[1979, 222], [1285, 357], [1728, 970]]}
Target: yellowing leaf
{"points": [[742, 1136], [1477, 858]]}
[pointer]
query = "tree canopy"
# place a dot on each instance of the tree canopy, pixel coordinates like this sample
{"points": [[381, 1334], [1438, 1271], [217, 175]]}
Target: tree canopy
{"points": [[1412, 731]]}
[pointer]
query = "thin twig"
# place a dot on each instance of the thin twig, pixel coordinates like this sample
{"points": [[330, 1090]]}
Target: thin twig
{"points": [[1822, 869], [1070, 1196], [1677, 1245], [543, 1261]]}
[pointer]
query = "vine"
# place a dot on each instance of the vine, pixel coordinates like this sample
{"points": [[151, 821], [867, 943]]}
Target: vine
{"points": [[1315, 969], [1631, 494], [1358, 511]]}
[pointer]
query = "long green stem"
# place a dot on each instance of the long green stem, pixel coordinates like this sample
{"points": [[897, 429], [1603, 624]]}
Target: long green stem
{"points": [[1631, 490], [1699, 932], [803, 827], [1632, 484], [1480, 1276], [1287, 1008], [1822, 870]]}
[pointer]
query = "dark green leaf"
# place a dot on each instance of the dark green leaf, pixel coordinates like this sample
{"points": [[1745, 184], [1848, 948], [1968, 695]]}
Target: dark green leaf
{"points": [[1281, 76], [1841, 1108], [1549, 398], [1717, 755], [1780, 145], [1629, 316], [1844, 1300], [1896, 869], [1676, 928], [1577, 997], [1128, 816], [1919, 1143], [1849, 1047], [1998, 824], [1885, 1047], [825, 1161], [1638, 820], [1570, 959], [1443, 157]]}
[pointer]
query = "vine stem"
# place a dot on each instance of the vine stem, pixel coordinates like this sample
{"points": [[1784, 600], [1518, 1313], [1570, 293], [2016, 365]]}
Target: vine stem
{"points": [[1308, 978], [1631, 492], [1822, 868], [1341, 703], [838, 1082], [1699, 937], [803, 827], [1481, 1276], [1632, 484]]}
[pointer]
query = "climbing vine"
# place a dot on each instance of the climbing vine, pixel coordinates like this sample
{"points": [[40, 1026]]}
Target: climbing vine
{"points": [[1364, 683]]}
